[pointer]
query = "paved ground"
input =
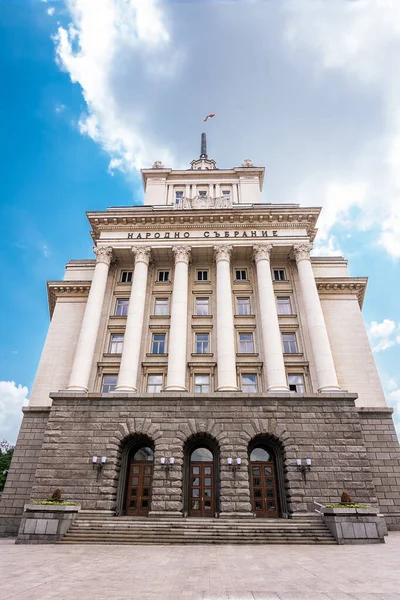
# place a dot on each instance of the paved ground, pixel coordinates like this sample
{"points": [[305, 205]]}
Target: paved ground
{"points": [[200, 572]]}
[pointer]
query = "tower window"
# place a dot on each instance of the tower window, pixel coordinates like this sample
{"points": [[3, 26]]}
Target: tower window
{"points": [[163, 276], [126, 277], [202, 275], [279, 275], [296, 383], [241, 274], [203, 194], [289, 343], [178, 197]]}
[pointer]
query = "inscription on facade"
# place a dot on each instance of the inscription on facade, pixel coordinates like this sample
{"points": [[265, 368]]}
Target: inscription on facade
{"points": [[207, 234]]}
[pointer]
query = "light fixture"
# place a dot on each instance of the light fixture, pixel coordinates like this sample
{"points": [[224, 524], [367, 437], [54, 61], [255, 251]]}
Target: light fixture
{"points": [[162, 460], [304, 468], [229, 460], [98, 463], [171, 460], [234, 467], [167, 464]]}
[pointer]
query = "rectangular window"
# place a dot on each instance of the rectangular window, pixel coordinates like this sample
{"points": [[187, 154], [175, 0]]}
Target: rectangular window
{"points": [[121, 307], [126, 277], [161, 306], [249, 383], [202, 383], [241, 274], [116, 343], [178, 196], [202, 343], [284, 307], [243, 306], [163, 276], [226, 194], [202, 306], [109, 383], [246, 344], [296, 383], [158, 343], [279, 275], [154, 384], [289, 343], [203, 194], [202, 276]]}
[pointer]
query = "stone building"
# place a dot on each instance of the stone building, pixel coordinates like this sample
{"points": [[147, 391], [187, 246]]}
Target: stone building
{"points": [[203, 364]]}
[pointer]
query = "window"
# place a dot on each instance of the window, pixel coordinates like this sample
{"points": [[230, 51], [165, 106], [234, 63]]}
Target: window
{"points": [[246, 345], [296, 383], [243, 306], [161, 306], [158, 343], [202, 276], [116, 343], [203, 194], [279, 275], [154, 384], [121, 307], [226, 194], [126, 277], [249, 383], [178, 196], [109, 383], [202, 306], [284, 307], [240, 274], [202, 343], [202, 383], [163, 276], [289, 343]]}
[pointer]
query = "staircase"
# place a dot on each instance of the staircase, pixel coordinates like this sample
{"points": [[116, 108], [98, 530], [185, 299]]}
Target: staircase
{"points": [[96, 529]]}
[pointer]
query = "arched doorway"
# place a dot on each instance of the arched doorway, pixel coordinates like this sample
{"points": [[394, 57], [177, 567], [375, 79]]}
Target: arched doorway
{"points": [[267, 488], [202, 477], [139, 479]]}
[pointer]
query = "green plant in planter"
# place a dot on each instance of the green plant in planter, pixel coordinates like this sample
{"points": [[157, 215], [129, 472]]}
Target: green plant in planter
{"points": [[350, 505], [55, 500]]}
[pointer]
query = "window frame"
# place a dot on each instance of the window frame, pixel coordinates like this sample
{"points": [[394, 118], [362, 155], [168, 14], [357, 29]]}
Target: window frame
{"points": [[279, 270], [294, 341], [161, 314], [196, 313], [244, 314], [129, 276], [158, 342], [103, 383], [154, 385], [241, 271], [200, 385], [202, 342], [289, 303], [159, 271], [115, 343], [245, 342], [249, 374], [117, 305], [290, 374], [206, 271]]}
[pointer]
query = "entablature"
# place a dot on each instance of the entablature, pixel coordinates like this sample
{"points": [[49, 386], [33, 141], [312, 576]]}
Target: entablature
{"points": [[343, 286], [63, 289]]}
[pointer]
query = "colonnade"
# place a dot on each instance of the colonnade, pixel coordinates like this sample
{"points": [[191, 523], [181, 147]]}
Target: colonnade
{"points": [[226, 358]]}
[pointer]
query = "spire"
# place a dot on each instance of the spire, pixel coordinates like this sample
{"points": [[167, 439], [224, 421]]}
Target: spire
{"points": [[203, 151]]}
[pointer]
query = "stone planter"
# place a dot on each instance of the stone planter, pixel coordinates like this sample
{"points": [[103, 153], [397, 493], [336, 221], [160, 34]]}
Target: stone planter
{"points": [[45, 524], [355, 525]]}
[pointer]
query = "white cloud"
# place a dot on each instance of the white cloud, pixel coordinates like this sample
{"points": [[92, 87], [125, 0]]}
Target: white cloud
{"points": [[358, 39], [382, 335], [51, 11], [45, 250], [105, 46], [12, 398], [330, 248]]}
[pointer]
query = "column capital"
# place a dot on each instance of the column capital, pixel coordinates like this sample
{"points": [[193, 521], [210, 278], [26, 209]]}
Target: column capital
{"points": [[103, 254], [141, 253], [222, 252], [262, 251], [182, 253], [301, 252]]}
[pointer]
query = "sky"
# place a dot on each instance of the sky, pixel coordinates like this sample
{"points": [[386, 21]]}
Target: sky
{"points": [[94, 90]]}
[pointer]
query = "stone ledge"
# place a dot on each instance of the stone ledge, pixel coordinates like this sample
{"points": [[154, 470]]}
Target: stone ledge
{"points": [[44, 524], [375, 410]]}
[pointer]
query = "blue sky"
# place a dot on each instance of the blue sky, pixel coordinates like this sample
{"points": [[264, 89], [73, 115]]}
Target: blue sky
{"points": [[92, 90]]}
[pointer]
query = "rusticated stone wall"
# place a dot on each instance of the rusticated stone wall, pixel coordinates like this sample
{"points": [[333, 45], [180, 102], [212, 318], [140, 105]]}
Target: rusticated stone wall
{"points": [[383, 451], [17, 490], [324, 427]]}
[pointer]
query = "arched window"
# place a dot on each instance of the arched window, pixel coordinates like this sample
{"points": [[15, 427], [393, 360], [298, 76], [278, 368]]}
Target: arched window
{"points": [[201, 455], [259, 454], [143, 454]]}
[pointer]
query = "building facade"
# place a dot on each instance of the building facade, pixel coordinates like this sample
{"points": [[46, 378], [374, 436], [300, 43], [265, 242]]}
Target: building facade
{"points": [[204, 364]]}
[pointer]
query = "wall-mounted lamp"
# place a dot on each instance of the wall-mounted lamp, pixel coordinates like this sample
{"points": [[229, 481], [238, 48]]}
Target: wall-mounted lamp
{"points": [[303, 468], [234, 466], [98, 463], [167, 465]]}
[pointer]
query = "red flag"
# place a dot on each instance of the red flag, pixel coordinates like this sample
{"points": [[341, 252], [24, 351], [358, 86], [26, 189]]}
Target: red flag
{"points": [[209, 116]]}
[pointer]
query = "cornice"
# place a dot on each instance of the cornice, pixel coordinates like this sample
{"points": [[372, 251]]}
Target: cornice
{"points": [[343, 285], [256, 215], [66, 289]]}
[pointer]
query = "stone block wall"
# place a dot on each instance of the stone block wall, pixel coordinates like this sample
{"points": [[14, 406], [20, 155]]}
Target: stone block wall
{"points": [[383, 453], [324, 427], [21, 476]]}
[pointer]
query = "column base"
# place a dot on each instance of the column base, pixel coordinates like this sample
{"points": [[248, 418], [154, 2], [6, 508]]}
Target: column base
{"points": [[76, 388], [174, 388], [278, 388], [329, 388], [227, 388], [120, 389]]}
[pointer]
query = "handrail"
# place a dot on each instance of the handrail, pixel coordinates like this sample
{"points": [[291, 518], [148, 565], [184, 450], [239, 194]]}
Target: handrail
{"points": [[321, 512]]}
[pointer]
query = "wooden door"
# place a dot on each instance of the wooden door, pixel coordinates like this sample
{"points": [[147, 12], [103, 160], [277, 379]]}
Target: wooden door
{"points": [[263, 486], [201, 490], [140, 479]]}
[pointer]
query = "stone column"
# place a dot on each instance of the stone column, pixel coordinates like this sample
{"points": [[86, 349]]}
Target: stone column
{"points": [[235, 199], [176, 377], [225, 329], [194, 190], [211, 190], [322, 353], [217, 190], [128, 371], [83, 360], [187, 191], [274, 365], [170, 198]]}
